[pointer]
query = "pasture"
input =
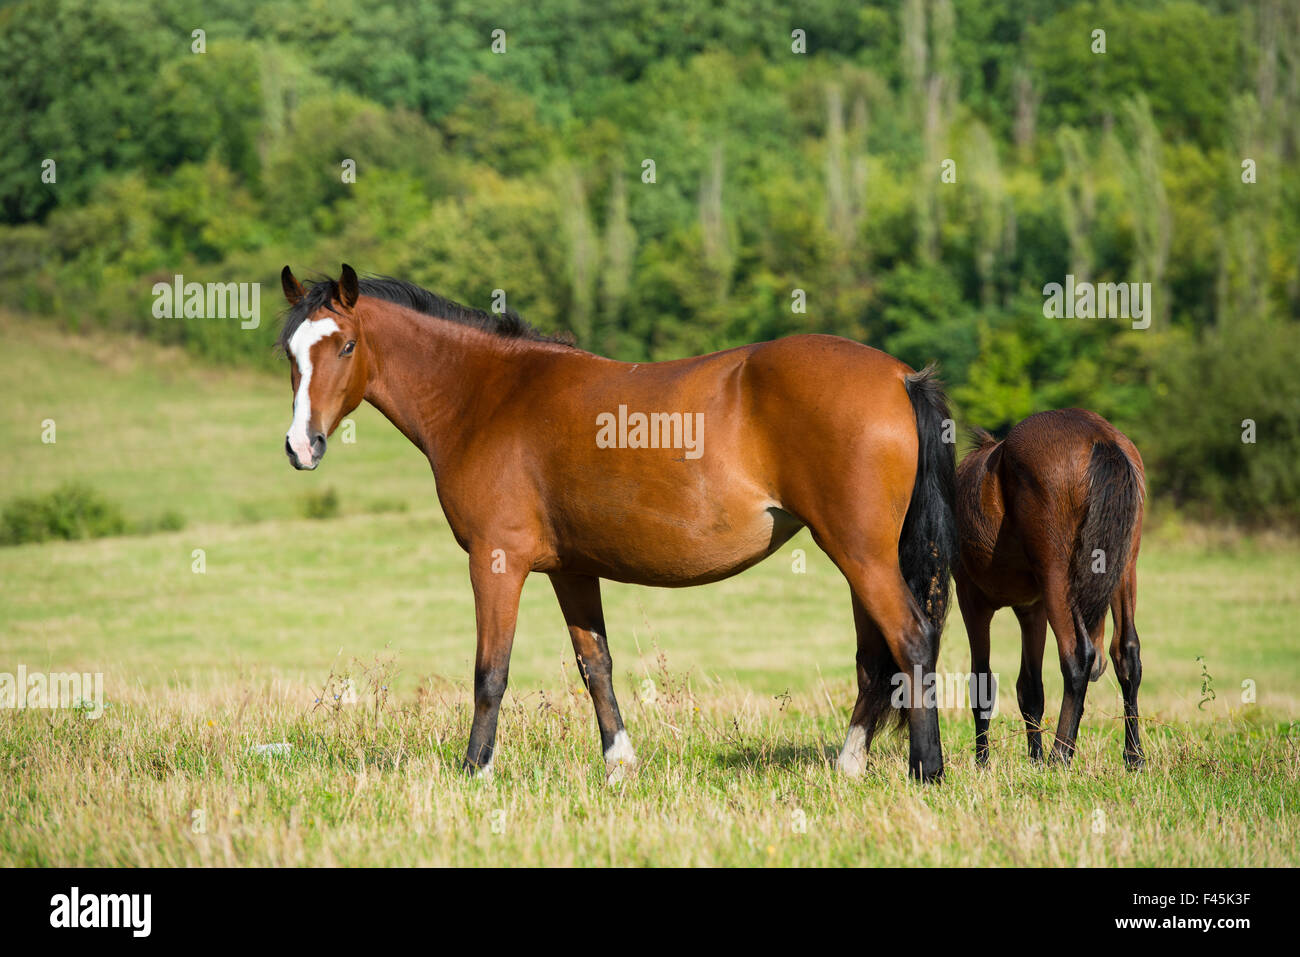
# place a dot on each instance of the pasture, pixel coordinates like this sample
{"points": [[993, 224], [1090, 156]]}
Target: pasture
{"points": [[736, 695]]}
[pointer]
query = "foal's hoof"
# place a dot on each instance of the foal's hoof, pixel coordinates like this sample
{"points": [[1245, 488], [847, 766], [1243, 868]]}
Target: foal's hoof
{"points": [[478, 772], [1134, 762]]}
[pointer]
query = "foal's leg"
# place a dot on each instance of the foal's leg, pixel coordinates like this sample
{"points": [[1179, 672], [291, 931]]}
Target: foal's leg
{"points": [[1029, 686], [579, 597], [1126, 654], [496, 607], [1077, 654], [976, 614], [873, 655]]}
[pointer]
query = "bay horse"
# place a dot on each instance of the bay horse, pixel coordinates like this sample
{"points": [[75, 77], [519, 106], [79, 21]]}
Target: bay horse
{"points": [[1049, 522], [540, 467]]}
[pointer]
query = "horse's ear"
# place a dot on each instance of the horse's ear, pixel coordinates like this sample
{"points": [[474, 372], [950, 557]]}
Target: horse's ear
{"points": [[293, 290], [348, 289]]}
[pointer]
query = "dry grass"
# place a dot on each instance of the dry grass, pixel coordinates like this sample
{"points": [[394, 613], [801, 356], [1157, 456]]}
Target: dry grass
{"points": [[727, 777]]}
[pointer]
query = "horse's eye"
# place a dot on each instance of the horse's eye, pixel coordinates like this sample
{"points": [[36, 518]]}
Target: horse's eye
{"points": [[347, 350]]}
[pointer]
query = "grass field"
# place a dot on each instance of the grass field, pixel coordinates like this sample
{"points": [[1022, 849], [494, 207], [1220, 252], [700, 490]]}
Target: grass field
{"points": [[736, 695]]}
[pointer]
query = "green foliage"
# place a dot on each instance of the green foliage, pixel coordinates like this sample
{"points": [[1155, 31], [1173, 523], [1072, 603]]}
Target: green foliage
{"points": [[1225, 426], [69, 512], [76, 76], [777, 175], [209, 105], [1185, 58]]}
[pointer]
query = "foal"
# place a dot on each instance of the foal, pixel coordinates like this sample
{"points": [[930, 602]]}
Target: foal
{"points": [[550, 459], [1049, 522]]}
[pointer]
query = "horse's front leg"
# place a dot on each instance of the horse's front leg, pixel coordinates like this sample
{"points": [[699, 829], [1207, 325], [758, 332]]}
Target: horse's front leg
{"points": [[579, 597], [497, 584]]}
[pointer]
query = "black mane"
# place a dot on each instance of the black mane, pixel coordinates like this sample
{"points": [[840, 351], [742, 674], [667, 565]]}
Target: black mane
{"points": [[320, 293]]}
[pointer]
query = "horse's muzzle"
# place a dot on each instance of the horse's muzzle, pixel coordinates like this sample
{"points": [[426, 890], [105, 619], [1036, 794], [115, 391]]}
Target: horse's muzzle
{"points": [[317, 440]]}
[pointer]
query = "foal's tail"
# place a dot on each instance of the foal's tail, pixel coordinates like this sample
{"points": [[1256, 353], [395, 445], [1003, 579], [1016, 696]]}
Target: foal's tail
{"points": [[1114, 504]]}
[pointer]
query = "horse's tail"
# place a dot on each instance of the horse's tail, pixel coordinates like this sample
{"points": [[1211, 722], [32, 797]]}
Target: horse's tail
{"points": [[1113, 504], [927, 547]]}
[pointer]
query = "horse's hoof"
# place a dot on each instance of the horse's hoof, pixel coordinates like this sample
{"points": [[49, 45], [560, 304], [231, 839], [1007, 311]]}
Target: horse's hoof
{"points": [[620, 759], [618, 773]]}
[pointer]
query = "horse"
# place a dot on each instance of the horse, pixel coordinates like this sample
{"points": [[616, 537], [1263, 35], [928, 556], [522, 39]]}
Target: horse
{"points": [[547, 458], [1049, 521]]}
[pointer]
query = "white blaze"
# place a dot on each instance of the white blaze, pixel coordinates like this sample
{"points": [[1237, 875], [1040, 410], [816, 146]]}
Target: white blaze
{"points": [[300, 343]]}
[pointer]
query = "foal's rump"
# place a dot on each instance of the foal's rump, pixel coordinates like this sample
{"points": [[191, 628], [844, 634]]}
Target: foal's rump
{"points": [[1077, 475]]}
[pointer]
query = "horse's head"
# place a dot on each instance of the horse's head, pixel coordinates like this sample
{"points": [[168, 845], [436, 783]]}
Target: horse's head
{"points": [[328, 362]]}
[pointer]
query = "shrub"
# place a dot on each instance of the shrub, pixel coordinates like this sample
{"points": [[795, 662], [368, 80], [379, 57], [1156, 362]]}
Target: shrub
{"points": [[71, 511], [168, 521], [324, 504]]}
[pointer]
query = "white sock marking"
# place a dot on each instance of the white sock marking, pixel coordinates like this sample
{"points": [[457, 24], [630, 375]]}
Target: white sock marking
{"points": [[853, 759], [620, 756]]}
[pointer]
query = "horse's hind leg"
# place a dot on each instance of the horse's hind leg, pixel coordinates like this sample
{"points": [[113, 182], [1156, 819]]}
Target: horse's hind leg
{"points": [[913, 645], [874, 664], [579, 597], [1029, 686], [1077, 653], [1126, 653], [977, 615]]}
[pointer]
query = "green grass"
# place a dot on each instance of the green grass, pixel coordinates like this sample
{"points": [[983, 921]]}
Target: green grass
{"points": [[751, 679]]}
